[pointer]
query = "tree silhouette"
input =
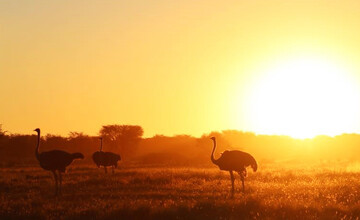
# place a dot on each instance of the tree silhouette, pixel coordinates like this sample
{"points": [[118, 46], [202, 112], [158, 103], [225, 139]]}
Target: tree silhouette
{"points": [[76, 135], [2, 132], [122, 139]]}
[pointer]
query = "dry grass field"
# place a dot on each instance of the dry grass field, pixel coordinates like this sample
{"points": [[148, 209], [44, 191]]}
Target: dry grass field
{"points": [[276, 191]]}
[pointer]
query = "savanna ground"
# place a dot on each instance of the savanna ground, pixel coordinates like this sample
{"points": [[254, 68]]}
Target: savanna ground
{"points": [[276, 191]]}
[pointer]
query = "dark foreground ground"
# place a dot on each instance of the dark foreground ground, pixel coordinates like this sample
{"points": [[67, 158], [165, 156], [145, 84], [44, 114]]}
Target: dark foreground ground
{"points": [[276, 191]]}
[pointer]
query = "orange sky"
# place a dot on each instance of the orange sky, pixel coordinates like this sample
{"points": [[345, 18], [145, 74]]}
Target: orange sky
{"points": [[173, 67]]}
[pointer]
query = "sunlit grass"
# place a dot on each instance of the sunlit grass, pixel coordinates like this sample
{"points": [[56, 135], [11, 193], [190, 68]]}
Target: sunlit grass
{"points": [[276, 191]]}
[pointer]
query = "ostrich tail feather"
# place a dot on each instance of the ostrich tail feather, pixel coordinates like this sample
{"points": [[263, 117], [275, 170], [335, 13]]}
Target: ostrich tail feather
{"points": [[77, 156]]}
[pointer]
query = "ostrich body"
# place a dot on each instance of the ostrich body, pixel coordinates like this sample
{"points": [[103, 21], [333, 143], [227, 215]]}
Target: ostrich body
{"points": [[234, 160], [55, 161], [106, 159]]}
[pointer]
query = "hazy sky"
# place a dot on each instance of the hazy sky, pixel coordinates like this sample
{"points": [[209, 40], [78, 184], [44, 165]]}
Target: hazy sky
{"points": [[173, 67]]}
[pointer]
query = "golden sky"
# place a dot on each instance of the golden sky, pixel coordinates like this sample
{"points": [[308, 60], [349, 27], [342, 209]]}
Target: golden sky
{"points": [[180, 67]]}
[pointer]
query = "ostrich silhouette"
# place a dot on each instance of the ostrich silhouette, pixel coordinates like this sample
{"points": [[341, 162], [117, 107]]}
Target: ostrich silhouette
{"points": [[234, 160], [55, 161], [105, 159]]}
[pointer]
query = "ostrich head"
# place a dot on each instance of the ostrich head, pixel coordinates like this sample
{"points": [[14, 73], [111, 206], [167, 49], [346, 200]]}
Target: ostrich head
{"points": [[212, 138], [37, 130], [254, 166], [100, 138]]}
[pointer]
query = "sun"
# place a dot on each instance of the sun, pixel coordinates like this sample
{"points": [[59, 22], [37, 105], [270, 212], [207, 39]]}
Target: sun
{"points": [[304, 97]]}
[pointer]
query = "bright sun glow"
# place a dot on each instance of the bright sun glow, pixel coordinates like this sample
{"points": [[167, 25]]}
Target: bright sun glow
{"points": [[305, 97]]}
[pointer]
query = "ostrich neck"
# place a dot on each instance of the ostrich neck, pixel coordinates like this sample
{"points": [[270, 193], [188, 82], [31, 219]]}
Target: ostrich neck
{"points": [[100, 144], [212, 153], [37, 146]]}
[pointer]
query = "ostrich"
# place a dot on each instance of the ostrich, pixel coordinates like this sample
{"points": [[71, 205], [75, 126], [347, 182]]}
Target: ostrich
{"points": [[55, 160], [105, 159], [234, 160]]}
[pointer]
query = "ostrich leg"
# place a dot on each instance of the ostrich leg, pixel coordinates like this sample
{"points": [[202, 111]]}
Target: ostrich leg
{"points": [[243, 174], [60, 181], [56, 182], [232, 182], [242, 180]]}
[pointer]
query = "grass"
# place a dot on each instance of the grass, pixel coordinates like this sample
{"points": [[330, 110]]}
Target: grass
{"points": [[276, 191]]}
